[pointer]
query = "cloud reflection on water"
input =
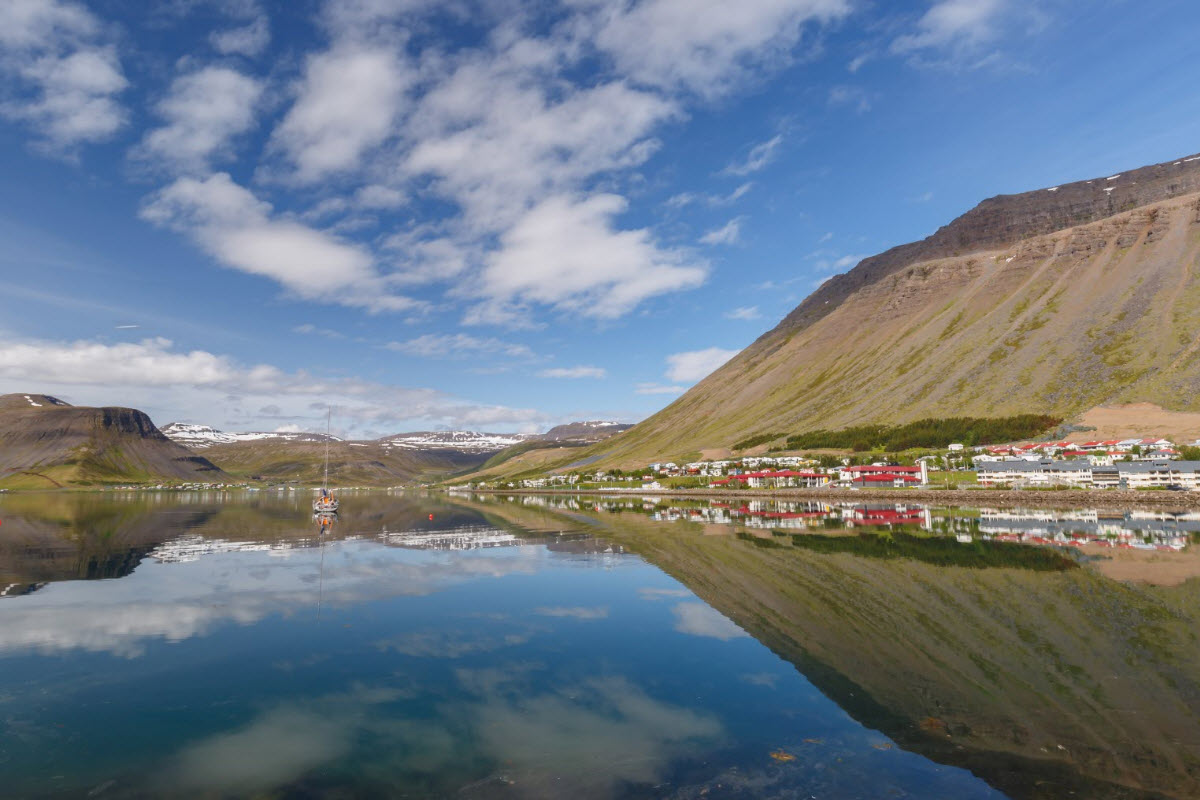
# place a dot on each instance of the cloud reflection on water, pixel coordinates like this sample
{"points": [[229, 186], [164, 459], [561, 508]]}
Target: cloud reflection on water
{"points": [[174, 602], [506, 727]]}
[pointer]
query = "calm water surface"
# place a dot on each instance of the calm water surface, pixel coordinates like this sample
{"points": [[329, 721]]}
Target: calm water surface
{"points": [[220, 646]]}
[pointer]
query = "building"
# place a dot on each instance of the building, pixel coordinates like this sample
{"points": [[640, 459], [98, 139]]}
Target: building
{"points": [[778, 479], [877, 475], [1159, 474]]}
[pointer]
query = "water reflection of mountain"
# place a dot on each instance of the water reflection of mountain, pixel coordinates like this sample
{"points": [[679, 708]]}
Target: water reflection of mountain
{"points": [[1046, 683], [57, 537]]}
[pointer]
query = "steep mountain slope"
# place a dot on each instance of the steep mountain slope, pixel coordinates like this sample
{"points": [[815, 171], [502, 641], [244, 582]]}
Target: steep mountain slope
{"points": [[45, 442], [1053, 301]]}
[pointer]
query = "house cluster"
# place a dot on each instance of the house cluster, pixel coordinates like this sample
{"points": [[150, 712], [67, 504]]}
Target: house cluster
{"points": [[720, 469], [863, 476], [1097, 452], [1083, 473]]}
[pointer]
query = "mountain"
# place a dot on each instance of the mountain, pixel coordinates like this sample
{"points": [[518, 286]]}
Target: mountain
{"points": [[350, 463], [201, 436], [45, 443], [593, 431], [1066, 301], [465, 441]]}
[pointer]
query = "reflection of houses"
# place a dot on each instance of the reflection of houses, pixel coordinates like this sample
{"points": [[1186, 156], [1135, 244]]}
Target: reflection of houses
{"points": [[1136, 529], [888, 515], [883, 475], [1122, 474], [778, 479]]}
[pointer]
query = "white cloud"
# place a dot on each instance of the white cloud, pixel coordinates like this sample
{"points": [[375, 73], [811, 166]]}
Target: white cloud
{"points": [[743, 312], [729, 233], [854, 96], [496, 140], [574, 372], [573, 612], [247, 40], [203, 111], [688, 198], [566, 254], [698, 619], [706, 46], [759, 156], [55, 51], [346, 105], [693, 366], [956, 25], [656, 388], [238, 230], [202, 386], [450, 345]]}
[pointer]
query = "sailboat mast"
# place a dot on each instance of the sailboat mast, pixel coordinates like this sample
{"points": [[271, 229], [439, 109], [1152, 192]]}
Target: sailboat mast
{"points": [[328, 418]]}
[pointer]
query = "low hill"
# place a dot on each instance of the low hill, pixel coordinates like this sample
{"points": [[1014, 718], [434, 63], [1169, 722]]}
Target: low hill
{"points": [[1055, 302], [350, 463], [46, 443]]}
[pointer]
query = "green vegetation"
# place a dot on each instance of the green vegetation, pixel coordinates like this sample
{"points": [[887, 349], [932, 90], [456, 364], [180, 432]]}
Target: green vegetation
{"points": [[937, 550], [927, 433], [755, 441]]}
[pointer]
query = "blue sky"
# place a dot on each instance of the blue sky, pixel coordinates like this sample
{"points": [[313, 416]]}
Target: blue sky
{"points": [[503, 215]]}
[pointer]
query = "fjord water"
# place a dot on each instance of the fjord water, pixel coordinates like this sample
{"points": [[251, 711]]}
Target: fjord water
{"points": [[219, 645]]}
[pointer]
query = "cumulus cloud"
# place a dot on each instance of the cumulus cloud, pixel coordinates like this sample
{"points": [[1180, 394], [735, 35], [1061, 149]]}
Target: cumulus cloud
{"points": [[458, 345], [64, 76], [566, 254], [706, 46], [697, 364], [346, 105], [203, 111], [239, 230], [246, 40], [956, 25], [574, 372], [198, 385], [729, 233]]}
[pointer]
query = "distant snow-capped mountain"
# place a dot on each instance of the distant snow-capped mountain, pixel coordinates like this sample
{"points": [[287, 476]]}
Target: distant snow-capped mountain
{"points": [[200, 436], [470, 441]]}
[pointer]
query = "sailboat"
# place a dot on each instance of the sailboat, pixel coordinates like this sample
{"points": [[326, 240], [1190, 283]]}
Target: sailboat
{"points": [[326, 503]]}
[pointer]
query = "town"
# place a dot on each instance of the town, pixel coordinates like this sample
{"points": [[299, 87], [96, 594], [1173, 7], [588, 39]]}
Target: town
{"points": [[1150, 463]]}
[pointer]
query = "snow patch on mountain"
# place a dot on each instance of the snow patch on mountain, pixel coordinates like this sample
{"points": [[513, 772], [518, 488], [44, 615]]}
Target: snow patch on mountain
{"points": [[472, 441], [200, 436]]}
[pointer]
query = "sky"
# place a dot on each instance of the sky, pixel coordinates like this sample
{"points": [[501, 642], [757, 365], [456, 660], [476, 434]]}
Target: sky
{"points": [[501, 216]]}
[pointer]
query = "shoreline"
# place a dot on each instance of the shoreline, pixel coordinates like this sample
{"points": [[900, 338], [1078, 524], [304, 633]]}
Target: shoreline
{"points": [[973, 498]]}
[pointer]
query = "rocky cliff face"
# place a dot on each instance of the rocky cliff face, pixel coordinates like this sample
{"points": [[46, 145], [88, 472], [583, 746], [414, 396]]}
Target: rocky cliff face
{"points": [[45, 442], [1056, 301], [1007, 219]]}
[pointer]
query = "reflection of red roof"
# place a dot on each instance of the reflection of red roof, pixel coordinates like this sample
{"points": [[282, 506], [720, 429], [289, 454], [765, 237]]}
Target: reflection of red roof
{"points": [[881, 470]]}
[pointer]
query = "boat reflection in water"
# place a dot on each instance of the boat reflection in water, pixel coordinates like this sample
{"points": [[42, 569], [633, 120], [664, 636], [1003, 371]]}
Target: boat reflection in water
{"points": [[526, 646]]}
